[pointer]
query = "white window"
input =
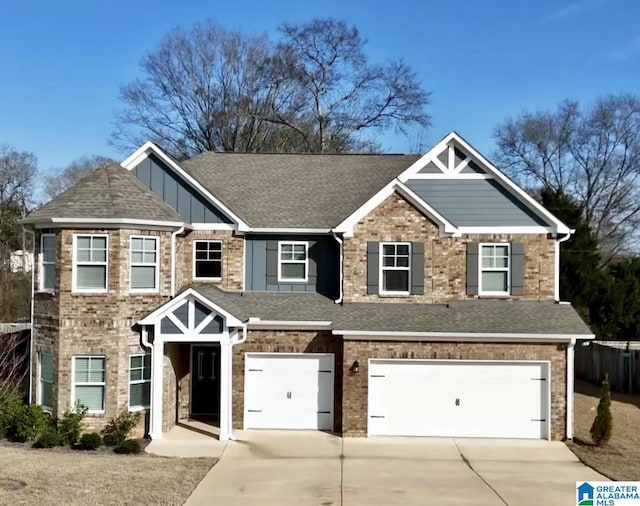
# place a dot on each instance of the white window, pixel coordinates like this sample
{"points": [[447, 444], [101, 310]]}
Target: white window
{"points": [[46, 380], [90, 263], [139, 381], [293, 261], [144, 264], [89, 382], [494, 269], [47, 262], [207, 260], [395, 268]]}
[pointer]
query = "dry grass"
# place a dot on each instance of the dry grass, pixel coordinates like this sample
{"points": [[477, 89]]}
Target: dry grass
{"points": [[620, 459], [69, 477]]}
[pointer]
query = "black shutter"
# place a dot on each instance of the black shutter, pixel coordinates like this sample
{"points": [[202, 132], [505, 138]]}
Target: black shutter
{"points": [[373, 266], [517, 268], [417, 268], [472, 268], [272, 262]]}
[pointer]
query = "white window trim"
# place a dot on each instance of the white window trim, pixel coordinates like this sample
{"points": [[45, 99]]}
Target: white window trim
{"points": [[138, 382], [42, 263], [156, 265], [381, 269], [305, 262], [74, 270], [102, 384], [494, 269], [48, 409], [194, 260]]}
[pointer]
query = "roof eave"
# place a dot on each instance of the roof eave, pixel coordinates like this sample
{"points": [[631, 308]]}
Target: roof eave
{"points": [[381, 335]]}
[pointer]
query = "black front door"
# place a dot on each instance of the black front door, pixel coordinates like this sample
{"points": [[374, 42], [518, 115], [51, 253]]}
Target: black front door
{"points": [[205, 379]]}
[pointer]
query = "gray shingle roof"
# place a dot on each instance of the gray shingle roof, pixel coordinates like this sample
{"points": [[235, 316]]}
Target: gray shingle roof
{"points": [[109, 192], [472, 316], [295, 190]]}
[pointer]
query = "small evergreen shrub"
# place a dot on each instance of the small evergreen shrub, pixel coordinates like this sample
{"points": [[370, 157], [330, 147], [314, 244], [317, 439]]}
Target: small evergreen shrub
{"points": [[11, 406], [603, 422], [28, 422], [128, 447], [70, 425], [119, 429], [50, 438], [90, 441]]}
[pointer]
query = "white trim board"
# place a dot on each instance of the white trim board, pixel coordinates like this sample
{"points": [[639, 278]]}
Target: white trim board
{"points": [[381, 335]]}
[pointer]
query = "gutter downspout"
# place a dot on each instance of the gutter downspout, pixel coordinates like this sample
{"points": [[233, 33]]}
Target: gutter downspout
{"points": [[570, 383], [173, 260], [232, 436], [33, 290], [340, 241], [556, 255]]}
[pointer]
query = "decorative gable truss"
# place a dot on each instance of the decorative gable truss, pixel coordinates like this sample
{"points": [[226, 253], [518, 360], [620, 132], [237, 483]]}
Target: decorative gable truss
{"points": [[463, 193]]}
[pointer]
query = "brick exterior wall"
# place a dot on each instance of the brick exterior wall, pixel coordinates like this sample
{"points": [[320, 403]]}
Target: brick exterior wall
{"points": [[287, 341], [445, 267], [232, 259], [355, 386]]}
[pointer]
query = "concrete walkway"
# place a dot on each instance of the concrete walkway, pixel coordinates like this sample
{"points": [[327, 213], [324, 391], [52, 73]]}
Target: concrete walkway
{"points": [[188, 440], [313, 468]]}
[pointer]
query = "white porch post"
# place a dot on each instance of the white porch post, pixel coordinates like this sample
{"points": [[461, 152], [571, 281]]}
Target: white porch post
{"points": [[225, 386], [157, 354]]}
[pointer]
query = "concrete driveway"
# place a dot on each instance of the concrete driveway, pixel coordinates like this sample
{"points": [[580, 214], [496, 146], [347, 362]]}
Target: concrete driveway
{"points": [[313, 468]]}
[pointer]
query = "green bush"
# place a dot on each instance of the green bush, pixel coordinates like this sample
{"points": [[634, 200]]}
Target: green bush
{"points": [[119, 429], [603, 423], [70, 425], [129, 446], [90, 441], [50, 438], [11, 406], [27, 423]]}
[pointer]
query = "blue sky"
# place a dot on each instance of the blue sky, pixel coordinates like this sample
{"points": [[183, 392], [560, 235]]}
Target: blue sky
{"points": [[62, 62]]}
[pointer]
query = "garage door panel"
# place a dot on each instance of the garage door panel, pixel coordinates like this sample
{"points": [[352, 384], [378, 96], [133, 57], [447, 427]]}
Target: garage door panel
{"points": [[458, 398], [289, 391]]}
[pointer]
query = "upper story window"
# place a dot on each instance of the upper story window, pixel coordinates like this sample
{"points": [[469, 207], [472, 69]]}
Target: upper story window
{"points": [[90, 263], [144, 264], [207, 260], [293, 261], [395, 268], [47, 262], [494, 269]]}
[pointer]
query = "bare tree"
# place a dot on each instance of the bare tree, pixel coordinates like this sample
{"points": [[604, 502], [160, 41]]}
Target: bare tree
{"points": [[14, 354], [339, 93], [64, 178], [221, 90], [591, 154]]}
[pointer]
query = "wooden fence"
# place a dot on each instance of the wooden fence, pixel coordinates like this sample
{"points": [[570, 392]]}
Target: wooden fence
{"points": [[619, 359]]}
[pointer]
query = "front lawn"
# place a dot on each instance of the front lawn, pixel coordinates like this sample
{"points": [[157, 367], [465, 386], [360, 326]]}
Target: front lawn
{"points": [[67, 477], [620, 459]]}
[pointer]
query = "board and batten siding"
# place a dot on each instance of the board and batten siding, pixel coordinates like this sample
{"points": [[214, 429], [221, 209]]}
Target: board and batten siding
{"points": [[176, 192], [261, 265], [475, 202]]}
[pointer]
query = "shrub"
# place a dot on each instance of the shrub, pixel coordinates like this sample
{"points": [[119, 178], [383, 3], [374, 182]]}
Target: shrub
{"points": [[27, 423], [603, 422], [70, 425], [50, 438], [10, 407], [129, 446], [90, 441], [119, 429]]}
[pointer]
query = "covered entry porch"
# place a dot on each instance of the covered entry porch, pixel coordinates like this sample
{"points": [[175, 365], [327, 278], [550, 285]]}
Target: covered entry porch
{"points": [[191, 341]]}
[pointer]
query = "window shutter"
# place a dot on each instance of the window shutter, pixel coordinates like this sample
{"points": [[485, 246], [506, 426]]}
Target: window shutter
{"points": [[312, 257], [272, 262], [417, 268], [472, 268], [517, 268], [373, 266]]}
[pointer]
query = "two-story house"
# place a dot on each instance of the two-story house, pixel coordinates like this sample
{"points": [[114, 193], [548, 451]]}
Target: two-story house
{"points": [[361, 294]]}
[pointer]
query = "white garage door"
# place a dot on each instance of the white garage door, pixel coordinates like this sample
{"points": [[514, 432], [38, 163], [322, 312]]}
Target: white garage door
{"points": [[283, 391], [459, 398]]}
